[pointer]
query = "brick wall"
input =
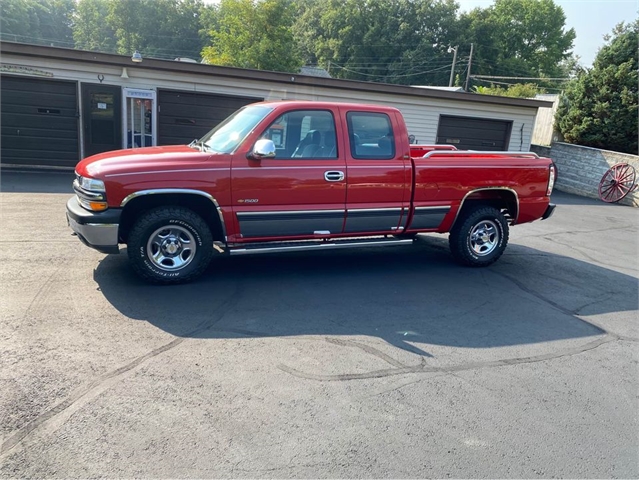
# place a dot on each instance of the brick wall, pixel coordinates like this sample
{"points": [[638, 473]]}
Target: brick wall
{"points": [[580, 168]]}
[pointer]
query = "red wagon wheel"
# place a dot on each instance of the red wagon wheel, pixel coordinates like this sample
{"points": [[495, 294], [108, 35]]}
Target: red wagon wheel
{"points": [[617, 182]]}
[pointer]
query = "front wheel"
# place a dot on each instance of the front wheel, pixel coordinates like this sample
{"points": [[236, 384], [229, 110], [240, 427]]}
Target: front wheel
{"points": [[479, 237], [170, 245]]}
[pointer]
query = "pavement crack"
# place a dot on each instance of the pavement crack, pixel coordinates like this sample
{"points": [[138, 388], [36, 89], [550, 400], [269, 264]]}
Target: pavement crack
{"points": [[579, 232], [79, 394], [42, 291], [572, 313], [368, 349], [55, 417], [595, 302], [532, 292], [590, 257], [450, 369]]}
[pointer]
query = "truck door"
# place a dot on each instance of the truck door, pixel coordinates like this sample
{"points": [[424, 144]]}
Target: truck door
{"points": [[379, 174], [300, 192]]}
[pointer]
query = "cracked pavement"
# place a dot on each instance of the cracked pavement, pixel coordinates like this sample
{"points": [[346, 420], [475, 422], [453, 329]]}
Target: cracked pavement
{"points": [[386, 362]]}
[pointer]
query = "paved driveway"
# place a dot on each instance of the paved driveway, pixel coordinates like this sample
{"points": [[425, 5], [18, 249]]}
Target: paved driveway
{"points": [[358, 363]]}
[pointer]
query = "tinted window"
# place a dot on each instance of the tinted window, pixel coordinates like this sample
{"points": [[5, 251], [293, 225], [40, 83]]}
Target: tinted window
{"points": [[370, 135], [303, 134]]}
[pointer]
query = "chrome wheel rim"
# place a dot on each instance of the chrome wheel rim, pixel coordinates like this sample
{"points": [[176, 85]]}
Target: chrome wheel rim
{"points": [[484, 238], [171, 248]]}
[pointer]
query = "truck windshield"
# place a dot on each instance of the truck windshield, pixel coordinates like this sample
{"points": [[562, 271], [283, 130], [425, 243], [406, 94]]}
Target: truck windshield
{"points": [[226, 136]]}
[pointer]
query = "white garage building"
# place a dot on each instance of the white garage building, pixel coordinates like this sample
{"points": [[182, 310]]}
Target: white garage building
{"points": [[59, 105]]}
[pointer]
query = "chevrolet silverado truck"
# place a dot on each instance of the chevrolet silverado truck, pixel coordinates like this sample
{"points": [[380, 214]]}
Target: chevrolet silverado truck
{"points": [[301, 175]]}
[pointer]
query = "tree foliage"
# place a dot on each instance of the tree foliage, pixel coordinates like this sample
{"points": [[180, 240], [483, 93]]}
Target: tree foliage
{"points": [[394, 41], [520, 38], [171, 28], [390, 41], [90, 29], [42, 22], [599, 109], [253, 34], [519, 90]]}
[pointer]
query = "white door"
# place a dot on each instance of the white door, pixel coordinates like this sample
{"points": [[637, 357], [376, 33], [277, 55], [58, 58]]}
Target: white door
{"points": [[139, 125]]}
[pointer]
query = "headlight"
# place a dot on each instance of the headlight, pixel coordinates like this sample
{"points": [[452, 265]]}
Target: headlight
{"points": [[90, 193], [92, 184]]}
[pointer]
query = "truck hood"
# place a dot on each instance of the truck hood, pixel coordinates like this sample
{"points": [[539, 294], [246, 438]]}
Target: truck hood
{"points": [[141, 160]]}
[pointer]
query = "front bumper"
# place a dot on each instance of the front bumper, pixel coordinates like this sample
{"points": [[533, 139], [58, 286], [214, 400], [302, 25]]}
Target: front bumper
{"points": [[549, 211], [98, 230]]}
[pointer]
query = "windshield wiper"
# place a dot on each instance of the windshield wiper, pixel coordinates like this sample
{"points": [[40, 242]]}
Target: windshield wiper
{"points": [[199, 144]]}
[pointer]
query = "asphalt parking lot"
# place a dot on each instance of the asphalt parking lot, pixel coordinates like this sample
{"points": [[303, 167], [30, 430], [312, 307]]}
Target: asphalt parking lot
{"points": [[389, 363]]}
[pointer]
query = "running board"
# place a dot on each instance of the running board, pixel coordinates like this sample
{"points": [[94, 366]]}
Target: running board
{"points": [[256, 248]]}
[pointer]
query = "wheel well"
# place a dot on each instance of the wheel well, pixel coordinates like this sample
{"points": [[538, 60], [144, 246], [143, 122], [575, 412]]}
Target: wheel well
{"points": [[197, 203], [503, 200]]}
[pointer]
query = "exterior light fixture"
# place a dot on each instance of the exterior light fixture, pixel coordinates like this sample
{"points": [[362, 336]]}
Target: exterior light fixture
{"points": [[136, 57]]}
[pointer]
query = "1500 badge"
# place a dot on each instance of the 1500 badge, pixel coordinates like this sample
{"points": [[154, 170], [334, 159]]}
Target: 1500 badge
{"points": [[248, 200]]}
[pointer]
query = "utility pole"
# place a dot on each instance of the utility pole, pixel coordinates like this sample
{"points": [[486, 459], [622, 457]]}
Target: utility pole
{"points": [[470, 62], [452, 70]]}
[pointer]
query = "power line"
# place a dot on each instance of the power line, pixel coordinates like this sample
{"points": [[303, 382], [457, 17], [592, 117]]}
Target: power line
{"points": [[488, 77]]}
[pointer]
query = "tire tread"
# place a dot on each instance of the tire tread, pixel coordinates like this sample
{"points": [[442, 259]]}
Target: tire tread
{"points": [[159, 214], [458, 234]]}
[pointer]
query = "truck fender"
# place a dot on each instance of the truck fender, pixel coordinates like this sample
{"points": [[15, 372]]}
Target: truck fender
{"points": [[509, 191], [179, 191]]}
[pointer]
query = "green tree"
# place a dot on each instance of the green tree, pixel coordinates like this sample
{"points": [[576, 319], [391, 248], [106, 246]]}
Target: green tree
{"points": [[126, 17], [157, 28], [171, 28], [15, 19], [43, 22], [390, 41], [253, 34], [519, 38], [90, 29], [599, 108]]}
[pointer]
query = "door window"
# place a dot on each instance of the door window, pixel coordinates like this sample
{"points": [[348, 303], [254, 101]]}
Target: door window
{"points": [[140, 117], [303, 134], [371, 135]]}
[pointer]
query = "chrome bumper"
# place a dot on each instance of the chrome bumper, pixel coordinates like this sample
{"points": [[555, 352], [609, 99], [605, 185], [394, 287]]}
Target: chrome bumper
{"points": [[96, 230]]}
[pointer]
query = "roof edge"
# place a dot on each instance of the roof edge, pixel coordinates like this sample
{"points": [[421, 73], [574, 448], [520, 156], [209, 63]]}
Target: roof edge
{"points": [[84, 56]]}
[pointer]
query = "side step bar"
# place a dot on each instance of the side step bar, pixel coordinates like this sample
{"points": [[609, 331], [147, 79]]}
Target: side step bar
{"points": [[256, 248]]}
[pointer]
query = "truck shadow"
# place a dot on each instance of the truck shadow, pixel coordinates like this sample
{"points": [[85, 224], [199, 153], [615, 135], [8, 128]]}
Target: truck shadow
{"points": [[411, 297]]}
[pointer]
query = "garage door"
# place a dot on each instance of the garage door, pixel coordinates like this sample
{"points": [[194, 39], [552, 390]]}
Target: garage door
{"points": [[39, 122], [185, 116], [468, 133]]}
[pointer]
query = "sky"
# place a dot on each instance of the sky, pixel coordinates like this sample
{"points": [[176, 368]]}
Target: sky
{"points": [[591, 19]]}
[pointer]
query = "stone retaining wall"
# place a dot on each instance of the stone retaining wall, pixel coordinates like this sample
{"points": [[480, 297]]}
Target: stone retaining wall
{"points": [[580, 168]]}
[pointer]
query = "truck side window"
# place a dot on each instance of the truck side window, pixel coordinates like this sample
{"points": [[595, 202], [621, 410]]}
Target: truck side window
{"points": [[370, 135], [303, 134]]}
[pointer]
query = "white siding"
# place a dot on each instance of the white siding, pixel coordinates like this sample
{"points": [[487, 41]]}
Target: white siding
{"points": [[545, 125], [421, 114]]}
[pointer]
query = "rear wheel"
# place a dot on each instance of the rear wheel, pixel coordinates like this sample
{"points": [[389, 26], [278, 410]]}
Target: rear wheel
{"points": [[170, 245], [479, 236]]}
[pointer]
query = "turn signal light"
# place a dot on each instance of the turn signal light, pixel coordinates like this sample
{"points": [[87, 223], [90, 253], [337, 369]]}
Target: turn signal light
{"points": [[98, 206]]}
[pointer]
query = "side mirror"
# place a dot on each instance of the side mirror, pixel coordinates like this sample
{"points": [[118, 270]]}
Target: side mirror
{"points": [[263, 149]]}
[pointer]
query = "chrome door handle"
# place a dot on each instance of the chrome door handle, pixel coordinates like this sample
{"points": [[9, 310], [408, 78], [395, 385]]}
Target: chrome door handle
{"points": [[333, 176]]}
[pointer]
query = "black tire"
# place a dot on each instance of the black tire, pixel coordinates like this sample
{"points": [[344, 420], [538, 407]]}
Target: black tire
{"points": [[479, 236], [170, 245]]}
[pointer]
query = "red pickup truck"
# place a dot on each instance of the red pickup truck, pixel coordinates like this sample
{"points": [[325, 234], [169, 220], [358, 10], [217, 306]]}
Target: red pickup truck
{"points": [[296, 175]]}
